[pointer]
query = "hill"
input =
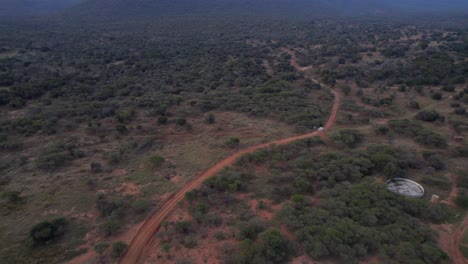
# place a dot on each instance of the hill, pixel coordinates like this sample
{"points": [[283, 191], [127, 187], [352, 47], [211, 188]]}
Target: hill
{"points": [[15, 8], [118, 9]]}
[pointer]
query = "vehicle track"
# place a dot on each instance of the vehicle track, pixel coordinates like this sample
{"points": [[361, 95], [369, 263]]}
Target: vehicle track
{"points": [[144, 236]]}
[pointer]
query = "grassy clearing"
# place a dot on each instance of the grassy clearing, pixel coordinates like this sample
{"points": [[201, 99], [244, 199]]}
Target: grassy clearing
{"points": [[71, 191]]}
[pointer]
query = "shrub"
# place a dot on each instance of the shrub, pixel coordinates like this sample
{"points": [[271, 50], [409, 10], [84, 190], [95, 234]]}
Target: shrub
{"points": [[181, 122], [203, 208], [210, 119], [184, 227], [274, 246], [190, 241], [101, 247], [428, 115], [346, 89], [414, 104], [434, 160], [166, 247], [448, 88], [251, 229], [11, 196], [156, 161], [162, 120], [96, 167], [121, 128], [462, 201], [220, 235], [459, 110], [109, 227], [46, 231], [140, 206], [431, 139], [461, 151], [349, 137], [437, 96], [232, 142], [105, 206], [118, 248], [382, 130]]}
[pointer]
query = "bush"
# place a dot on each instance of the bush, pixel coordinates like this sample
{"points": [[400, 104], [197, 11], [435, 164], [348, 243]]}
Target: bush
{"points": [[11, 196], [220, 235], [382, 130], [414, 104], [448, 88], [349, 137], [184, 227], [156, 161], [162, 120], [274, 247], [96, 167], [46, 231], [101, 247], [181, 122], [435, 160], [428, 115], [210, 119], [462, 201], [437, 96], [190, 241], [461, 151], [140, 206], [232, 142], [431, 139], [459, 110], [109, 227], [118, 248], [346, 89], [251, 229], [121, 128], [105, 206]]}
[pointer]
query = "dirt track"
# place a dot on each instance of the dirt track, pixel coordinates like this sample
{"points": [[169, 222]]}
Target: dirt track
{"points": [[150, 227], [455, 253]]}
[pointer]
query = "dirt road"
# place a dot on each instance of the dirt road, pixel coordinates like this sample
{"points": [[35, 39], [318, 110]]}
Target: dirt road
{"points": [[150, 227], [457, 256]]}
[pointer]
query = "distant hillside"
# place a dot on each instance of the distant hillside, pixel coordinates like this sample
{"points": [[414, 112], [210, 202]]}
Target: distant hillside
{"points": [[91, 10], [12, 8], [112, 9]]}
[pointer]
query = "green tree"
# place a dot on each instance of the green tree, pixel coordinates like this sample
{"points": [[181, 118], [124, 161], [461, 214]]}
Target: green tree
{"points": [[156, 161], [12, 196], [274, 246], [46, 231], [166, 248], [233, 142], [210, 119], [101, 247], [109, 227], [349, 137], [118, 248]]}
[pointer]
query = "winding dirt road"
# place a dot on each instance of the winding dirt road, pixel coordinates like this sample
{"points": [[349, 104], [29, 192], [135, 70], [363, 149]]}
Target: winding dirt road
{"points": [[133, 254]]}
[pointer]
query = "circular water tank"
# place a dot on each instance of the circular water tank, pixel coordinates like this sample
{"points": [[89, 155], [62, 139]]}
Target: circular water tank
{"points": [[405, 187]]}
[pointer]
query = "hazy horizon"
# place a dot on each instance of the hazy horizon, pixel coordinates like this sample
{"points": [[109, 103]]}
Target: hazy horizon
{"points": [[21, 8]]}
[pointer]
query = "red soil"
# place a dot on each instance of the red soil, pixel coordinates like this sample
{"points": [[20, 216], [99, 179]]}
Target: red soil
{"points": [[453, 193], [133, 254], [449, 237]]}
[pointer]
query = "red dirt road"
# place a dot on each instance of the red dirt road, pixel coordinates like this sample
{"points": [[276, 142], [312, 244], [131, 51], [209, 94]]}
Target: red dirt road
{"points": [[457, 256], [133, 254]]}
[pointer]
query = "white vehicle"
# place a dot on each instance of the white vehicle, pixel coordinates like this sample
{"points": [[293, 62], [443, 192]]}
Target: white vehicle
{"points": [[320, 129]]}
